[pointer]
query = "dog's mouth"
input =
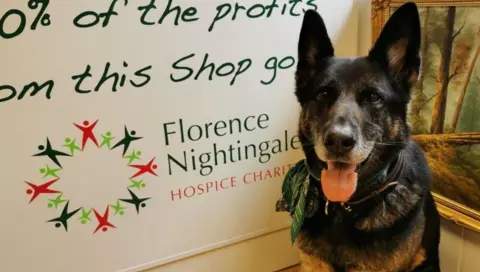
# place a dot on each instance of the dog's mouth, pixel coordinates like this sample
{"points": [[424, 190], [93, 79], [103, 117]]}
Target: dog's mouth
{"points": [[339, 180]]}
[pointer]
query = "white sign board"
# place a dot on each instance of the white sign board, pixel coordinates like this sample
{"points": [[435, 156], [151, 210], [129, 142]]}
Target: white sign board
{"points": [[137, 131]]}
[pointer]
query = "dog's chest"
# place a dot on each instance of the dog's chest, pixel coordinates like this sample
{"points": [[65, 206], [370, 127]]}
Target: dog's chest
{"points": [[309, 263], [321, 253]]}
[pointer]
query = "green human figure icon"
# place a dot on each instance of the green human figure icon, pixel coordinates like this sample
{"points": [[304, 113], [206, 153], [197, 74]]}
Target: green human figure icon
{"points": [[135, 155], [137, 184], [71, 145], [56, 201], [47, 171], [107, 139], [85, 216], [118, 208]]}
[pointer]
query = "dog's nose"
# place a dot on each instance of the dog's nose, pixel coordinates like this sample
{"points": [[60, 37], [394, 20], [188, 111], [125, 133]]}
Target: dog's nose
{"points": [[339, 140]]}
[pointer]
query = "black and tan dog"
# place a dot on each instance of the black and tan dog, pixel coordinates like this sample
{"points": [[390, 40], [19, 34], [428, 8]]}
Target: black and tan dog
{"points": [[377, 213]]}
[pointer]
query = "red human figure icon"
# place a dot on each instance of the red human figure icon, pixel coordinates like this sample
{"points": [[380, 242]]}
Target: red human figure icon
{"points": [[87, 130], [37, 190], [147, 168], [103, 220]]}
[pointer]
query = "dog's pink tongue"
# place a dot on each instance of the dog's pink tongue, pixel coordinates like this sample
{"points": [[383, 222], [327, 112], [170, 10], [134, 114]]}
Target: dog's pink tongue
{"points": [[339, 183]]}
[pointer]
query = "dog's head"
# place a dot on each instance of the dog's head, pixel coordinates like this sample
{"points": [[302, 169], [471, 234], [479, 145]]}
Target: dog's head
{"points": [[354, 110]]}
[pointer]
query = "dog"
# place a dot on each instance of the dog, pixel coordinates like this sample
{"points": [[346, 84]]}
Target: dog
{"points": [[374, 181]]}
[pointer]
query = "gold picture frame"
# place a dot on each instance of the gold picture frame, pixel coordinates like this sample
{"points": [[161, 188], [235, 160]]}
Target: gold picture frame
{"points": [[460, 208]]}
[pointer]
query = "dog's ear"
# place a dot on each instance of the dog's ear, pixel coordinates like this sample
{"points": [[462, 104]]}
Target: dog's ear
{"points": [[397, 48], [314, 45]]}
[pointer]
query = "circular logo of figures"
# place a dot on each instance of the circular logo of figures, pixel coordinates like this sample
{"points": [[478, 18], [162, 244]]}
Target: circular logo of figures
{"points": [[51, 174]]}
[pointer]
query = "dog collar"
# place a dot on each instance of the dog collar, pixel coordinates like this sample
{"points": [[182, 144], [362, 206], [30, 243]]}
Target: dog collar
{"points": [[301, 199]]}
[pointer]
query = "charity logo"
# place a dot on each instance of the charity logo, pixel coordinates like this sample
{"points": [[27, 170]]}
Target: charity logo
{"points": [[52, 172]]}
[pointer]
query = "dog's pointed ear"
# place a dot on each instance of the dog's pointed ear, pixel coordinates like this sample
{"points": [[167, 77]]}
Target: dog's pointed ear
{"points": [[314, 44], [397, 48]]}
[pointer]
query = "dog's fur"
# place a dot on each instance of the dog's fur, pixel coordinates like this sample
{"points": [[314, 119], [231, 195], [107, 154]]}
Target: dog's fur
{"points": [[398, 230]]}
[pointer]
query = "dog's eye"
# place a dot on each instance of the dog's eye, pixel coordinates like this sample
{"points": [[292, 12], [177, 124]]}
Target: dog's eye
{"points": [[372, 97], [324, 94]]}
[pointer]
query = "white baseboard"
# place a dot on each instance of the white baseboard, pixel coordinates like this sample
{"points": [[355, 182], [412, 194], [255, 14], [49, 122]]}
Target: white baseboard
{"points": [[275, 239]]}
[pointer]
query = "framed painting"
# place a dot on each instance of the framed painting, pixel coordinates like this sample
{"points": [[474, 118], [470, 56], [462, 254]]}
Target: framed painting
{"points": [[445, 106]]}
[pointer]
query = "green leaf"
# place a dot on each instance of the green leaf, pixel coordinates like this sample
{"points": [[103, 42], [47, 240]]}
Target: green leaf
{"points": [[299, 214], [297, 186], [297, 182], [286, 189], [288, 197]]}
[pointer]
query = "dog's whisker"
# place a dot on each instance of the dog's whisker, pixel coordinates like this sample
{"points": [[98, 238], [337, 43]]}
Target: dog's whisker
{"points": [[390, 143]]}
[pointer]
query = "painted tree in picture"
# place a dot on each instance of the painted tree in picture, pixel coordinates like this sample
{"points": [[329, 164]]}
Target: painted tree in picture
{"points": [[445, 107]]}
